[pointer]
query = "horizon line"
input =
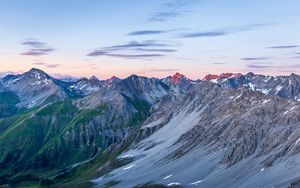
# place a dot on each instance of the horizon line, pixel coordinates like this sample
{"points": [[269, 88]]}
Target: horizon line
{"points": [[59, 76]]}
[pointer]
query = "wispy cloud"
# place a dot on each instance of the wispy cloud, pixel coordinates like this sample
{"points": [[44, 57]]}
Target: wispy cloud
{"points": [[164, 50], [52, 65], [119, 55], [277, 67], [259, 66], [36, 48], [160, 70], [284, 47], [224, 31], [47, 65], [38, 52], [135, 44], [97, 53], [146, 32], [255, 58], [33, 43], [296, 57], [203, 34], [172, 9], [163, 16], [135, 50], [218, 63], [130, 56], [39, 63]]}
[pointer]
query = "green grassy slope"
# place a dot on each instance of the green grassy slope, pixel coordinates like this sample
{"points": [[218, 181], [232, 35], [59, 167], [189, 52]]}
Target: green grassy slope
{"points": [[37, 145]]}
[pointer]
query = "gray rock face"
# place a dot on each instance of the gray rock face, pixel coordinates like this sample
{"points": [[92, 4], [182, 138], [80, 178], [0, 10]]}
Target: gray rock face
{"points": [[229, 130], [56, 135], [287, 87], [212, 134], [246, 124], [33, 88], [84, 86], [179, 83], [36, 88], [148, 89]]}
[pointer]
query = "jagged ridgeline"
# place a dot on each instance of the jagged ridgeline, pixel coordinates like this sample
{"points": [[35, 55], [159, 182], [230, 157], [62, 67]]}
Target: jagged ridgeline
{"points": [[48, 125], [148, 132]]}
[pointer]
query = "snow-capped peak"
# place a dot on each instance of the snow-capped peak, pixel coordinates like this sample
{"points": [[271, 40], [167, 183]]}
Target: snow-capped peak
{"points": [[36, 74]]}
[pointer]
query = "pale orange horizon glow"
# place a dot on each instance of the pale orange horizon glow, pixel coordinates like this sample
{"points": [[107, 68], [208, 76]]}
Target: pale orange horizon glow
{"points": [[108, 67]]}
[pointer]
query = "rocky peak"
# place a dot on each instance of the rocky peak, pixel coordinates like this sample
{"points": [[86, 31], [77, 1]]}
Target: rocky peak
{"points": [[133, 77], [229, 75], [221, 76], [177, 77], [250, 74], [93, 78], [113, 79], [36, 74], [295, 76], [210, 77]]}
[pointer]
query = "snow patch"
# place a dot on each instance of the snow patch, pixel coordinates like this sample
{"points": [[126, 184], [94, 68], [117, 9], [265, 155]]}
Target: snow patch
{"points": [[267, 79], [129, 167], [196, 182], [289, 110], [264, 91], [37, 75], [17, 79], [83, 86], [46, 81], [173, 184], [214, 81], [167, 177], [155, 123], [265, 101], [278, 88], [126, 156], [252, 86], [239, 96], [35, 83]]}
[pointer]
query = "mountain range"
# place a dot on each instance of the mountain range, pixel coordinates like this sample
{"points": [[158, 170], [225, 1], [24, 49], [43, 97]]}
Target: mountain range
{"points": [[228, 130]]}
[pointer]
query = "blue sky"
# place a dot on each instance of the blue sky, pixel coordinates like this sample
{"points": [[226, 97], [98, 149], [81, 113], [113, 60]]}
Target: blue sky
{"points": [[151, 38]]}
